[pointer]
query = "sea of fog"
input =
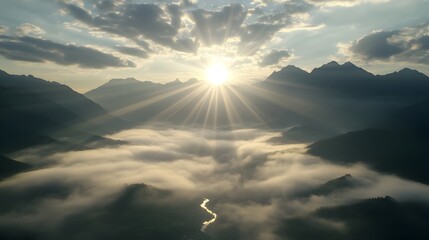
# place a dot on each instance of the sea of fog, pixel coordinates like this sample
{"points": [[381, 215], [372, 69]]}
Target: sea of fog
{"points": [[153, 187]]}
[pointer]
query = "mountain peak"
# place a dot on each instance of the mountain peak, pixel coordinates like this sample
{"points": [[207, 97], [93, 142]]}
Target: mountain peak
{"points": [[349, 64], [347, 67], [291, 67], [410, 71], [192, 80], [118, 81], [289, 72], [407, 73], [332, 64], [174, 82]]}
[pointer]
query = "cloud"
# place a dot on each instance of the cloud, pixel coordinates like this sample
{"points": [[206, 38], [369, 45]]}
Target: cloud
{"points": [[250, 182], [105, 5], [136, 52], [335, 2], [168, 25], [284, 13], [255, 35], [343, 3], [215, 27], [3, 29], [140, 23], [403, 45], [189, 3], [28, 29], [376, 46], [30, 49], [274, 57]]}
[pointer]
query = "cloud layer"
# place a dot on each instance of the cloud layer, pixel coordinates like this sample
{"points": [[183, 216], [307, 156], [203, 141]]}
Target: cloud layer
{"points": [[32, 49], [252, 185], [184, 29]]}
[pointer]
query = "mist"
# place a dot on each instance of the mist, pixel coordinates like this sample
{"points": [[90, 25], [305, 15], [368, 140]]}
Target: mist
{"points": [[253, 185]]}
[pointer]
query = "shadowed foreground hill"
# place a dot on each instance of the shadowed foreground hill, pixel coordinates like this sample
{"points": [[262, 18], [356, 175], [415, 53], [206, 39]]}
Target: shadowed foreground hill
{"points": [[399, 145], [336, 185], [35, 111], [401, 153], [378, 219], [139, 211], [9, 167], [86, 113]]}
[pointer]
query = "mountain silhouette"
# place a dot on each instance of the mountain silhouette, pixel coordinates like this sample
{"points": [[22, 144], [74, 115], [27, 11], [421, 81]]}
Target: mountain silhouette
{"points": [[9, 167], [35, 111], [398, 144], [378, 218], [413, 118], [191, 102], [389, 151], [342, 183], [95, 116], [139, 212], [333, 98], [291, 73], [352, 82]]}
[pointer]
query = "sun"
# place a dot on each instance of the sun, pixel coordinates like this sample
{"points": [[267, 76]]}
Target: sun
{"points": [[217, 74]]}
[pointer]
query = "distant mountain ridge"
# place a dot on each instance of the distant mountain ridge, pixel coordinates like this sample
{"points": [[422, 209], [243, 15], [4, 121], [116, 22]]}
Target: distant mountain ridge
{"points": [[354, 82], [345, 96]]}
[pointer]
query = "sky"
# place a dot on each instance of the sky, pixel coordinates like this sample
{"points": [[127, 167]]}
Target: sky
{"points": [[85, 43]]}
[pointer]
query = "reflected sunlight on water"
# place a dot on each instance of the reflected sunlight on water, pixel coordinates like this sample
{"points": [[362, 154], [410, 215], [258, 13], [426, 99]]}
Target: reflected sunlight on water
{"points": [[207, 223]]}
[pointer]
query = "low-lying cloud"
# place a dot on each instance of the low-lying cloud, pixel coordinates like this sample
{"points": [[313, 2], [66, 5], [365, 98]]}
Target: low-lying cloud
{"points": [[252, 184]]}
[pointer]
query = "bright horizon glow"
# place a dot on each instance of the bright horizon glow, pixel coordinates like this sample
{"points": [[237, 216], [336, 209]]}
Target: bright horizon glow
{"points": [[217, 74]]}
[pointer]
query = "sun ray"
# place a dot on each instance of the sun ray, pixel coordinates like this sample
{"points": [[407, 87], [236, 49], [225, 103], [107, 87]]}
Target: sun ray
{"points": [[248, 105], [178, 106]]}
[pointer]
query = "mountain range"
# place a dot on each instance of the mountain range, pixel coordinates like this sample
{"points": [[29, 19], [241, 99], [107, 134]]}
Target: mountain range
{"points": [[308, 106], [345, 114], [331, 99]]}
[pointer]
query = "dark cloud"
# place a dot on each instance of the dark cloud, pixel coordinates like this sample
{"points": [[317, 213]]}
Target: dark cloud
{"points": [[405, 45], [215, 27], [376, 46], [137, 52], [39, 50], [422, 42], [105, 5], [255, 35], [162, 24], [140, 23], [274, 57]]}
